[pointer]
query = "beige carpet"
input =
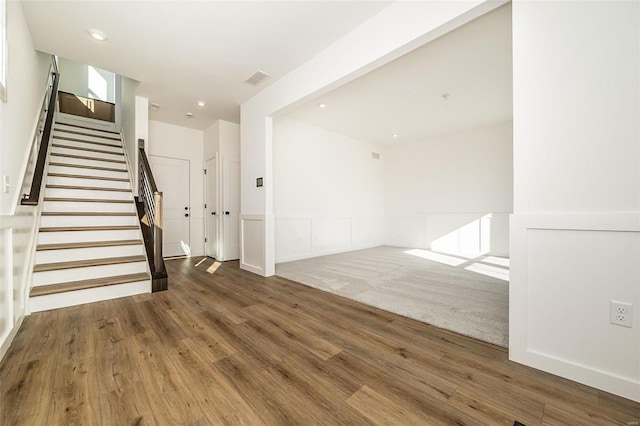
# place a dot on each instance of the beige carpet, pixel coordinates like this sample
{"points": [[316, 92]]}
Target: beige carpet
{"points": [[450, 292]]}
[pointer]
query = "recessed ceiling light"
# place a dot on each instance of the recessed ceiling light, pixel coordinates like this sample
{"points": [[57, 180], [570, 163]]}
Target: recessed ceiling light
{"points": [[190, 114], [322, 105], [201, 103], [395, 135], [98, 35]]}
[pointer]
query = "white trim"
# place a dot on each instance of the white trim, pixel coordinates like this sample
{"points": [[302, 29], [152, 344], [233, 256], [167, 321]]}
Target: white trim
{"points": [[4, 47], [519, 350], [11, 335], [207, 210], [256, 269]]}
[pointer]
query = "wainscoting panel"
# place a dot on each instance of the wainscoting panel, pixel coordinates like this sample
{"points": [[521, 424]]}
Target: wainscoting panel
{"points": [[293, 238], [406, 231], [252, 235], [331, 234], [367, 231], [464, 234], [565, 270], [17, 238], [305, 237]]}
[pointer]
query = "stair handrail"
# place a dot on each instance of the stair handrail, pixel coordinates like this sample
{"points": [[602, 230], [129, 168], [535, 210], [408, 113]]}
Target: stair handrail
{"points": [[152, 201], [43, 134]]}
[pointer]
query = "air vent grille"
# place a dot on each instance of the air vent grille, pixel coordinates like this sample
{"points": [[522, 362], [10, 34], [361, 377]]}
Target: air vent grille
{"points": [[257, 77]]}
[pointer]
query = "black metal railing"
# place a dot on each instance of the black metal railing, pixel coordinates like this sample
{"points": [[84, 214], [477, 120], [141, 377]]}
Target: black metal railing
{"points": [[151, 199], [42, 137]]}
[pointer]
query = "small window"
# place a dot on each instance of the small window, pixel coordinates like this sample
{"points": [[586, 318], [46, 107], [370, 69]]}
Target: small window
{"points": [[3, 50]]}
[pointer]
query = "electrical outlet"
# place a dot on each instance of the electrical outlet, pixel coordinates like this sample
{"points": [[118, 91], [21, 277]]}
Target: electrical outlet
{"points": [[621, 313]]}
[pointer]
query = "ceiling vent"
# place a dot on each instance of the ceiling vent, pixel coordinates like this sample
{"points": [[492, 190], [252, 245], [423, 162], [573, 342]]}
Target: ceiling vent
{"points": [[257, 77]]}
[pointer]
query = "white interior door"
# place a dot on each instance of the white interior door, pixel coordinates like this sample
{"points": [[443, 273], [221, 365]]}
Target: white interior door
{"points": [[232, 211], [172, 178], [211, 211]]}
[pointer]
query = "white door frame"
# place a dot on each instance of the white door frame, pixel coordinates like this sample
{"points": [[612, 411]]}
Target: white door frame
{"points": [[211, 206], [227, 230]]}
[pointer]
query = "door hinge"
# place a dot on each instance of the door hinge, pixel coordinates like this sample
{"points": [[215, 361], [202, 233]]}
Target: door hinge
{"points": [[205, 171], [205, 239], [205, 206]]}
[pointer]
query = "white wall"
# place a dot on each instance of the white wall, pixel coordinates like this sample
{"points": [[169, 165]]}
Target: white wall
{"points": [[222, 137], [26, 85], [437, 191], [328, 192], [168, 140], [394, 31], [142, 120], [75, 78], [141, 131], [576, 225], [211, 140], [127, 110], [27, 74]]}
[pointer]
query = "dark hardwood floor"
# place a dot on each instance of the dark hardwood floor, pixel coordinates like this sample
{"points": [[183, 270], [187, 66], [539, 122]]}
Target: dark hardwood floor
{"points": [[235, 348]]}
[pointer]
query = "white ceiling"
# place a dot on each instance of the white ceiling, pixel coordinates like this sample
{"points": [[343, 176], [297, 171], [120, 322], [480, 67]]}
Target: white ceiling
{"points": [[473, 64], [185, 51]]}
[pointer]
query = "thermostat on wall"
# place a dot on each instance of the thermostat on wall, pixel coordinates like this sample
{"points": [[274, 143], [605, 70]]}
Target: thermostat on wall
{"points": [[259, 182]]}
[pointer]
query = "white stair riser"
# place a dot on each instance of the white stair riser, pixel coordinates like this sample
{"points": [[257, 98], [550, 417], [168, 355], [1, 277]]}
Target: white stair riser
{"points": [[60, 136], [78, 297], [85, 172], [93, 154], [114, 146], [68, 255], [85, 236], [79, 206], [63, 118], [85, 162], [55, 180], [54, 221], [87, 273], [86, 193]]}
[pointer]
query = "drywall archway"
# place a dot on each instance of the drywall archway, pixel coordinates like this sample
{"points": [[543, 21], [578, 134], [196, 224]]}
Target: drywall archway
{"points": [[396, 30]]}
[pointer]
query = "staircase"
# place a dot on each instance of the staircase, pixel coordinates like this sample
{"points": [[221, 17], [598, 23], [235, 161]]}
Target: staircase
{"points": [[89, 245]]}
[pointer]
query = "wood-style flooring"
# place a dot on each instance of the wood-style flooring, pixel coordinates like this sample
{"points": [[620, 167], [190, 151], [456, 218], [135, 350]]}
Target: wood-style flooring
{"points": [[235, 348]]}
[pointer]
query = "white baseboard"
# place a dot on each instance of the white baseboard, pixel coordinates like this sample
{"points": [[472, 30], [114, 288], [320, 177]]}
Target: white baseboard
{"points": [[12, 334]]}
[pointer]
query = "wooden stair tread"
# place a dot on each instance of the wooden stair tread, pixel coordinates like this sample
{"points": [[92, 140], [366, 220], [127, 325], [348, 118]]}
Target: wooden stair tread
{"points": [[68, 175], [89, 244], [88, 188], [88, 214], [86, 200], [64, 138], [86, 284], [86, 127], [79, 148], [88, 228], [84, 157], [85, 133], [83, 166], [43, 267]]}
